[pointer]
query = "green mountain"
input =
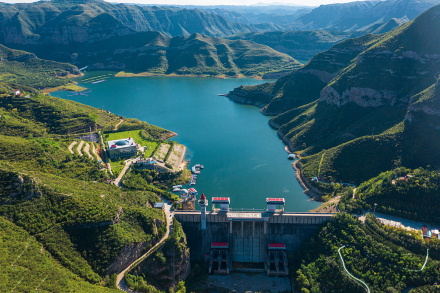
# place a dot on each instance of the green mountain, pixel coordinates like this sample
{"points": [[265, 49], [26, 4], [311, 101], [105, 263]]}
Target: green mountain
{"points": [[36, 267], [61, 22], [152, 52], [380, 256], [301, 45], [24, 68], [365, 106], [411, 194], [81, 230]]}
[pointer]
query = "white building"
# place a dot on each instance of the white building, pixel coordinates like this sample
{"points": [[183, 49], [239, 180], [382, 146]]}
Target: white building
{"points": [[146, 162], [121, 148]]}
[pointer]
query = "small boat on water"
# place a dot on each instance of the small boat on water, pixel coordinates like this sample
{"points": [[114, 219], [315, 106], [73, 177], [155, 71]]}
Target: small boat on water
{"points": [[193, 180], [192, 191], [291, 156], [177, 186], [102, 80], [202, 167], [176, 189], [184, 192]]}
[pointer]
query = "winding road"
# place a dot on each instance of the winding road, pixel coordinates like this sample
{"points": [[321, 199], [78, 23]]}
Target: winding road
{"points": [[120, 281], [128, 164]]}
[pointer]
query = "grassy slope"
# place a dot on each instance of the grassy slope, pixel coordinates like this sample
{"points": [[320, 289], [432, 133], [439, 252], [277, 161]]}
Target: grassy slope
{"points": [[35, 265], [33, 72]]}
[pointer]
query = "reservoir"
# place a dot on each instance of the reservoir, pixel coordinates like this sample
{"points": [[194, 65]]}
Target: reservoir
{"points": [[244, 158]]}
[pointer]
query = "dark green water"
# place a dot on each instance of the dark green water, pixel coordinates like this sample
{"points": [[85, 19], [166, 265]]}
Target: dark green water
{"points": [[243, 157]]}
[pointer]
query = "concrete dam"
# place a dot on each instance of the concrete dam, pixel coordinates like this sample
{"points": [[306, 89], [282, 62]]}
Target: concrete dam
{"points": [[224, 235]]}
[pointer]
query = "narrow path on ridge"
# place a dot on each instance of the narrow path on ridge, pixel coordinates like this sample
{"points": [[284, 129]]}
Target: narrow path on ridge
{"points": [[116, 126], [120, 280]]}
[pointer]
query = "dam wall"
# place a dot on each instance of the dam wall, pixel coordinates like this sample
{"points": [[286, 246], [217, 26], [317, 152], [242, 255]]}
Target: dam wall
{"points": [[248, 234]]}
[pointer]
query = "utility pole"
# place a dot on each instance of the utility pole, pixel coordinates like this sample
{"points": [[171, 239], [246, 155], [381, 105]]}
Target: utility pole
{"points": [[375, 204]]}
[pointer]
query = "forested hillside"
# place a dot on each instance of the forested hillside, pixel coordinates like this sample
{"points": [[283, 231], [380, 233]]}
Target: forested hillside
{"points": [[81, 230], [27, 265], [411, 194], [365, 106], [378, 255], [154, 53], [24, 68]]}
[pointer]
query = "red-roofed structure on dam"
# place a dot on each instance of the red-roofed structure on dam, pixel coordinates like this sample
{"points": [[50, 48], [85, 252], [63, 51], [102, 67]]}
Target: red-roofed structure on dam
{"points": [[275, 204], [221, 203], [263, 236]]}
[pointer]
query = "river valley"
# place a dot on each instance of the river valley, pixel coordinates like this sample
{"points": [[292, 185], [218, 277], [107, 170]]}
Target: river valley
{"points": [[243, 157]]}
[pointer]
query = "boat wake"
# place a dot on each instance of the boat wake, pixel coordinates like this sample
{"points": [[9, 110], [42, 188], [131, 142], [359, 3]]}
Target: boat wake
{"points": [[259, 166]]}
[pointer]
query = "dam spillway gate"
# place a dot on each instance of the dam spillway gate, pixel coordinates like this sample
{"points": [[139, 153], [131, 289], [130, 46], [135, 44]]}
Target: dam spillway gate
{"points": [[247, 237]]}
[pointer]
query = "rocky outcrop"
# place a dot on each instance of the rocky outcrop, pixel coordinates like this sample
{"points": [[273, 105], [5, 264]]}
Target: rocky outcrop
{"points": [[129, 254], [364, 97], [167, 266], [274, 125], [16, 188], [249, 98], [322, 75]]}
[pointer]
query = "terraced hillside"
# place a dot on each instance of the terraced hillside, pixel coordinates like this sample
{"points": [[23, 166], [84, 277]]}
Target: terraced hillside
{"points": [[82, 231], [365, 106]]}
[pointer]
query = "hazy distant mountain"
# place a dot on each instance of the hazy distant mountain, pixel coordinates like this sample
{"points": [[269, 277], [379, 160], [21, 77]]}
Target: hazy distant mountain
{"points": [[301, 45], [276, 14], [357, 16]]}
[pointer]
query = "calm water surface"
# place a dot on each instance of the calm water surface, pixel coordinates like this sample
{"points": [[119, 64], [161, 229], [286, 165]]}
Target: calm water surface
{"points": [[243, 157]]}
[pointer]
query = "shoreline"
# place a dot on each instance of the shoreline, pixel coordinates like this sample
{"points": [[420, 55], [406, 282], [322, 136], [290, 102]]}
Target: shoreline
{"points": [[146, 74], [171, 134], [302, 181], [70, 87]]}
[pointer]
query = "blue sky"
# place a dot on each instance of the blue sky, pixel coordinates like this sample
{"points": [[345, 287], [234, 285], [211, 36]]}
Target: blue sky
{"points": [[216, 2]]}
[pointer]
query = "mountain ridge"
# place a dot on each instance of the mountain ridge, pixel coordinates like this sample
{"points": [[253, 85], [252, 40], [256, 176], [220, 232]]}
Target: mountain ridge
{"points": [[334, 108]]}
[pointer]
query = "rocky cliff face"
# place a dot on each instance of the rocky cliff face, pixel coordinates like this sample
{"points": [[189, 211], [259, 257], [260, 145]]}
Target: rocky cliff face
{"points": [[169, 265], [17, 188], [132, 252]]}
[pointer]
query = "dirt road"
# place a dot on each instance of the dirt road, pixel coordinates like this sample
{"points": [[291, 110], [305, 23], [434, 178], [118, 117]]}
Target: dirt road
{"points": [[120, 281]]}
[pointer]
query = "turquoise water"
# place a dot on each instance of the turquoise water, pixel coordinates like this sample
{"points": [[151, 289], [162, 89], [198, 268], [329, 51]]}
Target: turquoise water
{"points": [[243, 157]]}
